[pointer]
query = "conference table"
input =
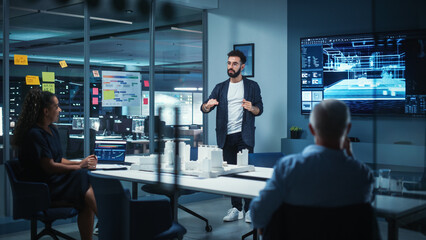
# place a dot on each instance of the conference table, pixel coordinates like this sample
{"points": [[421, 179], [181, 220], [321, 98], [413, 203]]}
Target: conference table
{"points": [[230, 186], [398, 211]]}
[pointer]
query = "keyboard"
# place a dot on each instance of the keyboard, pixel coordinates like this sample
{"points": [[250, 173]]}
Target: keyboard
{"points": [[111, 167]]}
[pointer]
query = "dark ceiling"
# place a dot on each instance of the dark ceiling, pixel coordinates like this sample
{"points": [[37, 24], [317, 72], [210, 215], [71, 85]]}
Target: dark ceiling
{"points": [[51, 31]]}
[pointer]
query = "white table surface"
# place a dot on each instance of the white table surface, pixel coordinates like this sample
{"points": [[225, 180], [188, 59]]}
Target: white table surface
{"points": [[386, 205], [395, 207], [266, 173], [259, 172], [229, 186]]}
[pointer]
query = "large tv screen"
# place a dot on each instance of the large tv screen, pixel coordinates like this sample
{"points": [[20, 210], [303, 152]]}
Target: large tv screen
{"points": [[382, 73]]}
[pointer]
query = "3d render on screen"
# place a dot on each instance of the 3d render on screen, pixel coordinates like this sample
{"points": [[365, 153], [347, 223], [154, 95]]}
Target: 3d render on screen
{"points": [[373, 74]]}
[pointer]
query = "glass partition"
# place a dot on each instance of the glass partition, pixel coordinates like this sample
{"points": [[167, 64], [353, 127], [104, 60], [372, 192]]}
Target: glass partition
{"points": [[1, 89], [46, 52], [399, 142], [4, 191], [120, 84], [119, 47], [179, 71]]}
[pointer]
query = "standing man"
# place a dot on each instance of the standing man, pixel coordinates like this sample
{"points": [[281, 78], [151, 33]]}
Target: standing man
{"points": [[238, 101]]}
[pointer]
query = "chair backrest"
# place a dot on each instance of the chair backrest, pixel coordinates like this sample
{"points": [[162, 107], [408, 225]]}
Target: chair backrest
{"points": [[302, 222], [64, 135], [123, 218], [12, 169], [264, 159], [112, 207], [28, 197]]}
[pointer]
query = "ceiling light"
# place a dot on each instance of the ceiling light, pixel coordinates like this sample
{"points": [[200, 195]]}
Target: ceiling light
{"points": [[71, 15], [185, 89], [186, 30]]}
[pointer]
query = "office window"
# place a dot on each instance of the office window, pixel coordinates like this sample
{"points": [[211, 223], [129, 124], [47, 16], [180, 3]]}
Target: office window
{"points": [[46, 51]]}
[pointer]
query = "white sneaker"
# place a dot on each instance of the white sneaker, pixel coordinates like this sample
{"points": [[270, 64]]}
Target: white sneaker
{"points": [[233, 215], [248, 217], [96, 229]]}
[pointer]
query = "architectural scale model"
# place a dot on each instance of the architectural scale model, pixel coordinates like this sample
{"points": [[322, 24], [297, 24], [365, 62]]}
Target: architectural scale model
{"points": [[209, 161]]}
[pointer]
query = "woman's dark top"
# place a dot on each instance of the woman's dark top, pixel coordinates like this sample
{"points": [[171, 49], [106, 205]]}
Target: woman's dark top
{"points": [[68, 188]]}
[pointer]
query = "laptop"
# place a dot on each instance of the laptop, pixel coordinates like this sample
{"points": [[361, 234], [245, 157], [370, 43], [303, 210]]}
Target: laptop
{"points": [[111, 154]]}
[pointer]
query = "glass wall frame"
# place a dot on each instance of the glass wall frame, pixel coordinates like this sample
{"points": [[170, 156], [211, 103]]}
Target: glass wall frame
{"points": [[53, 45]]}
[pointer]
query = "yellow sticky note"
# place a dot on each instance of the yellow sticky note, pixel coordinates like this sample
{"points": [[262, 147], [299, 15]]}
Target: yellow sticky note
{"points": [[32, 80], [48, 76], [50, 87], [20, 59], [109, 94], [63, 64]]}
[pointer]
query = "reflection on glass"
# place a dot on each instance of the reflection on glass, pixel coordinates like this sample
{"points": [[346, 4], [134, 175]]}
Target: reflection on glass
{"points": [[138, 125], [184, 101]]}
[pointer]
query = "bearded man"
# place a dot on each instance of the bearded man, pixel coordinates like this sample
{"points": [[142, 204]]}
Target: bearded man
{"points": [[238, 102]]}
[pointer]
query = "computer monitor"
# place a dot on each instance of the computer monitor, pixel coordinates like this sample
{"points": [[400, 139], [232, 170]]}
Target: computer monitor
{"points": [[381, 73], [78, 123], [94, 123], [123, 126], [159, 126], [138, 125]]}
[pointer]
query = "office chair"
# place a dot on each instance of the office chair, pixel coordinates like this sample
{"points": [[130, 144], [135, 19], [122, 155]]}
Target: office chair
{"points": [[64, 135], [31, 201], [122, 218], [267, 159], [301, 222], [150, 188], [153, 189]]}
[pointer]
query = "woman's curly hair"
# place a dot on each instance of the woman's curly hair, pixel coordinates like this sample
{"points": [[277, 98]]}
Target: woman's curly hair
{"points": [[32, 111]]}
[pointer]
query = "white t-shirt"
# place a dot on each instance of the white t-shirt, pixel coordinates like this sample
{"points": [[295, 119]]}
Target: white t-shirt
{"points": [[235, 108]]}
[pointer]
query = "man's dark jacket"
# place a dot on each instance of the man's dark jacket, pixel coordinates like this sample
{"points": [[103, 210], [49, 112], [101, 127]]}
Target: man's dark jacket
{"points": [[220, 93]]}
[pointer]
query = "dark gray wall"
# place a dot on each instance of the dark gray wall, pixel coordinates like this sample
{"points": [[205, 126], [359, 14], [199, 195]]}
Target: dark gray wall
{"points": [[332, 17]]}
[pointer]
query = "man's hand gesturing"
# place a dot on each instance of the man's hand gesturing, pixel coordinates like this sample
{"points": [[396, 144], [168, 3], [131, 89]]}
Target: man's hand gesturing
{"points": [[209, 104]]}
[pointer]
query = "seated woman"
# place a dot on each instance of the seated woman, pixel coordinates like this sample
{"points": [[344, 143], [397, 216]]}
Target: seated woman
{"points": [[40, 154]]}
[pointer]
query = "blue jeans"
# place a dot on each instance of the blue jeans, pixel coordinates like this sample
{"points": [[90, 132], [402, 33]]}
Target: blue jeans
{"points": [[234, 143]]}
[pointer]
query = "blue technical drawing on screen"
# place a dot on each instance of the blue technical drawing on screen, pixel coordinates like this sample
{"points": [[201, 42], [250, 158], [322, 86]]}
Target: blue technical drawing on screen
{"points": [[383, 75]]}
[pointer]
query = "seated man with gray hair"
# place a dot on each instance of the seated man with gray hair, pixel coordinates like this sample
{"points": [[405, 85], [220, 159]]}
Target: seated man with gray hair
{"points": [[322, 175]]}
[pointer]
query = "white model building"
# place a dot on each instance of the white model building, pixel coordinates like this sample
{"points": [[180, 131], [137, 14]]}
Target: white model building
{"points": [[184, 154], [212, 153], [209, 163], [242, 158], [168, 158]]}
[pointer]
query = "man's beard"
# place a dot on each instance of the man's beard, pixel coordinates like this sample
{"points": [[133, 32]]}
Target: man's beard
{"points": [[234, 75]]}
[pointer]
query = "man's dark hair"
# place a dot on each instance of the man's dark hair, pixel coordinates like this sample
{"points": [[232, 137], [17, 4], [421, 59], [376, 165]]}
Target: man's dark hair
{"points": [[238, 53]]}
